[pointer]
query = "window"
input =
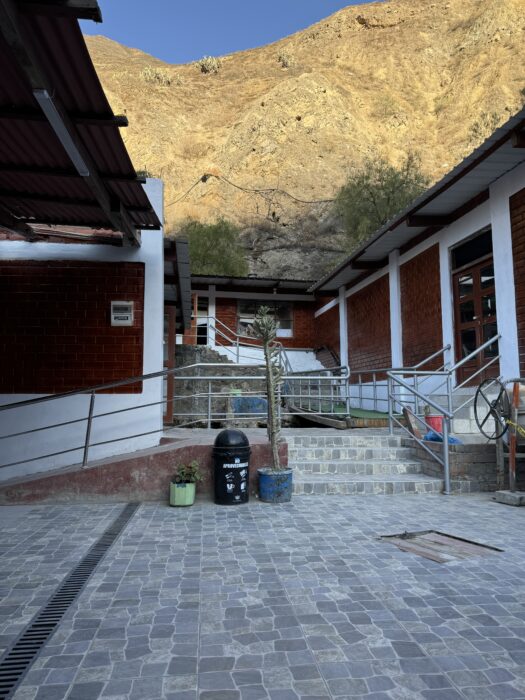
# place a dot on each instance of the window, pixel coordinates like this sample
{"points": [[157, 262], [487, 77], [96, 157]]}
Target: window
{"points": [[281, 311]]}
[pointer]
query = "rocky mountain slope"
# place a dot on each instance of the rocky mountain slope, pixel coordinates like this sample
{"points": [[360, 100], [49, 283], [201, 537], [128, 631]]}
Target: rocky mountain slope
{"points": [[294, 117]]}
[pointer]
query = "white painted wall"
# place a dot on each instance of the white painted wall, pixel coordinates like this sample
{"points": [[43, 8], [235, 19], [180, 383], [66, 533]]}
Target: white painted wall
{"points": [[396, 327], [344, 359], [500, 192], [146, 420]]}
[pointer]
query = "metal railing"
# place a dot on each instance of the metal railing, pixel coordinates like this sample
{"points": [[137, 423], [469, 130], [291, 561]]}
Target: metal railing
{"points": [[369, 387], [404, 392], [213, 403], [318, 391], [444, 380], [446, 416]]}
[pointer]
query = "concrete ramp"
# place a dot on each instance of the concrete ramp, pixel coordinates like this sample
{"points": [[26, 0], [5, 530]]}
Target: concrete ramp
{"points": [[138, 476]]}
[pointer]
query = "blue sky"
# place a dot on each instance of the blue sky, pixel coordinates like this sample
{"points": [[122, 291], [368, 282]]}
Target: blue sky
{"points": [[179, 31]]}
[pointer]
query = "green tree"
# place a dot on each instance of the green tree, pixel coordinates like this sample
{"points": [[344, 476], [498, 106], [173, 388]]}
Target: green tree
{"points": [[375, 192], [215, 249]]}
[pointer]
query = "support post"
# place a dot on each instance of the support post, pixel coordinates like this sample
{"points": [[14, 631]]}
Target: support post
{"points": [[446, 454], [343, 328], [513, 438], [390, 406], [88, 428], [209, 404]]}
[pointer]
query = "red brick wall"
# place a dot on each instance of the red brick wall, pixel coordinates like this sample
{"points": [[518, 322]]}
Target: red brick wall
{"points": [[421, 307], [327, 330], [517, 217], [225, 311], [304, 333], [55, 321], [369, 327]]}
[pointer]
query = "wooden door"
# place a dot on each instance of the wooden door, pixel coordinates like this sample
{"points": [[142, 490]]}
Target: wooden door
{"points": [[475, 319]]}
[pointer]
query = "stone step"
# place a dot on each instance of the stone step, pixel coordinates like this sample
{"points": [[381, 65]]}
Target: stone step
{"points": [[356, 467], [350, 439], [328, 484], [308, 454]]}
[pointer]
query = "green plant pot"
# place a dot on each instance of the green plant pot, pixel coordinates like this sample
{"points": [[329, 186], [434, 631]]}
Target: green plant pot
{"points": [[182, 494]]}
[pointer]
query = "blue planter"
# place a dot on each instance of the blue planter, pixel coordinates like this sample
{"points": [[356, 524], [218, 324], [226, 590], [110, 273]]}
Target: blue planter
{"points": [[275, 486]]}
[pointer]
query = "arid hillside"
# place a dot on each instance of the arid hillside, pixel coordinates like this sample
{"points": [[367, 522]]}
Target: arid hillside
{"points": [[293, 118]]}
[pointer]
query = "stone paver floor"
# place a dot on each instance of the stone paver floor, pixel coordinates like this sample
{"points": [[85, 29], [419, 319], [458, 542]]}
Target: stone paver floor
{"points": [[282, 602]]}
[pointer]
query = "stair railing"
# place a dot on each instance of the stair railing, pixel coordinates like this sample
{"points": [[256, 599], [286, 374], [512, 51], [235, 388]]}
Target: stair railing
{"points": [[404, 392], [318, 391], [395, 403], [372, 388]]}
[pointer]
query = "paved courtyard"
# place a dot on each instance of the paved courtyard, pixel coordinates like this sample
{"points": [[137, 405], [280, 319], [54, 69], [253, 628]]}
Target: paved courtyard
{"points": [[282, 602]]}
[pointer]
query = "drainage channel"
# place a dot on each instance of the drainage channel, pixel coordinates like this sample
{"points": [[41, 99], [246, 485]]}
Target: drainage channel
{"points": [[20, 656]]}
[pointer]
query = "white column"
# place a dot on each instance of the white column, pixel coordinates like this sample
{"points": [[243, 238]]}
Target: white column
{"points": [[396, 326], [504, 279], [212, 315], [447, 301], [343, 328]]}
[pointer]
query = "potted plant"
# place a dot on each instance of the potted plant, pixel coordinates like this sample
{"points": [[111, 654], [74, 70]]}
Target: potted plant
{"points": [[183, 484], [275, 481]]}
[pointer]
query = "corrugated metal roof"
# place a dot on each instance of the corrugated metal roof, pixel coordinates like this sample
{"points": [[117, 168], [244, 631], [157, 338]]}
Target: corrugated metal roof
{"points": [[468, 180], [256, 283], [38, 181]]}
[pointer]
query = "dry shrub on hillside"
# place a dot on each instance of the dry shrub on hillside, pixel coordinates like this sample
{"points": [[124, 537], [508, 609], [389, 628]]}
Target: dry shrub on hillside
{"points": [[285, 59], [209, 64], [483, 127], [153, 74]]}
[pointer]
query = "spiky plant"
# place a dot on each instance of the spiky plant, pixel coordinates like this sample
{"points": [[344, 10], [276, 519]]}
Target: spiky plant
{"points": [[265, 328]]}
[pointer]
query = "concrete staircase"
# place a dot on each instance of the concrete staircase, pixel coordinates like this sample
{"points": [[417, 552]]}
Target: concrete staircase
{"points": [[361, 463]]}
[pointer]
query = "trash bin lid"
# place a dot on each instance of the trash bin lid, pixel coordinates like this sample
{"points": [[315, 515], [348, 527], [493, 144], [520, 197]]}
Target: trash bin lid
{"points": [[231, 438]]}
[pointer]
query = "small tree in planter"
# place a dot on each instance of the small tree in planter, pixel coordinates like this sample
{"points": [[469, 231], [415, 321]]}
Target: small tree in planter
{"points": [[183, 484], [275, 481]]}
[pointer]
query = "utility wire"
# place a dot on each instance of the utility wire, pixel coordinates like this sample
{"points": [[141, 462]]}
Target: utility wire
{"points": [[260, 191]]}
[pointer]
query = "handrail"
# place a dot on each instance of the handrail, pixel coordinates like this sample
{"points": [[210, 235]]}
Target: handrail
{"points": [[446, 373], [197, 415], [330, 370], [421, 396], [379, 370], [431, 357], [475, 352], [112, 385]]}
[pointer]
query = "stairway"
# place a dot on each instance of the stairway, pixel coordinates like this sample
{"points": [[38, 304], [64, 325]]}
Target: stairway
{"points": [[361, 463]]}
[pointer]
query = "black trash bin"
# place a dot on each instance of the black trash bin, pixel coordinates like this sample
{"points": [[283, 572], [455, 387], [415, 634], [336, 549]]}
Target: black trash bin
{"points": [[231, 458]]}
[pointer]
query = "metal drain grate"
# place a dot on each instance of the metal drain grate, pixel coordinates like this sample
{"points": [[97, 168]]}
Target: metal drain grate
{"points": [[19, 658], [438, 546]]}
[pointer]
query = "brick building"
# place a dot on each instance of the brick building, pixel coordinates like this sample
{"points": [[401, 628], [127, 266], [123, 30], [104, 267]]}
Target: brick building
{"points": [[81, 256], [446, 273]]}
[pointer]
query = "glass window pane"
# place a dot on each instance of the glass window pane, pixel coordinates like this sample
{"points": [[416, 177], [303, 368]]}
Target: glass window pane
{"points": [[488, 304], [283, 310], [243, 325], [247, 308], [487, 277], [489, 331], [287, 323], [465, 285], [468, 342], [466, 311]]}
